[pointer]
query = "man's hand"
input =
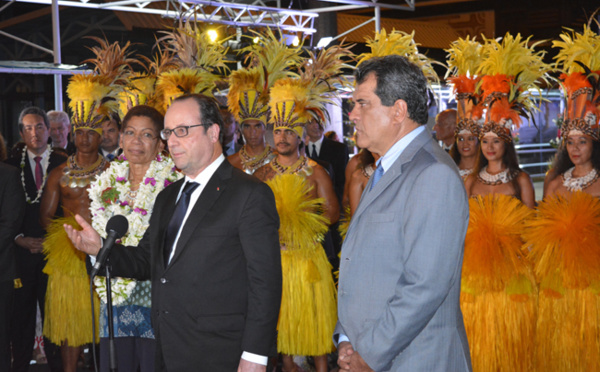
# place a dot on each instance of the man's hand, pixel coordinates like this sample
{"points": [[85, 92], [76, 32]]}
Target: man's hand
{"points": [[34, 245], [358, 364], [86, 240], [345, 351], [246, 366]]}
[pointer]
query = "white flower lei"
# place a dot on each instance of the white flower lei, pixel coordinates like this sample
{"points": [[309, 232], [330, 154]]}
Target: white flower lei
{"points": [[108, 196]]}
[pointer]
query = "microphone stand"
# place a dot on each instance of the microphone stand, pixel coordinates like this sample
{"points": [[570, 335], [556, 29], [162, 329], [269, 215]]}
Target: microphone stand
{"points": [[112, 354]]}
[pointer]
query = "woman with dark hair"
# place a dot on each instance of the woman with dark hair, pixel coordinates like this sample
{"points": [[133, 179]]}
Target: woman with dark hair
{"points": [[564, 239], [497, 170], [465, 149], [498, 291], [575, 167], [129, 187]]}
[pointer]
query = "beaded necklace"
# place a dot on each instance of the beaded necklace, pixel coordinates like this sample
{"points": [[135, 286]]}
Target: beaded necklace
{"points": [[292, 169], [252, 163], [494, 179], [41, 189], [578, 183], [76, 176]]}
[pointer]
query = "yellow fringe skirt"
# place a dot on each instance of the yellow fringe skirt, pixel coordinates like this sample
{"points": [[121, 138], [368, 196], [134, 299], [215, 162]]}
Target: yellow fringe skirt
{"points": [[308, 304], [498, 293], [565, 248], [67, 309]]}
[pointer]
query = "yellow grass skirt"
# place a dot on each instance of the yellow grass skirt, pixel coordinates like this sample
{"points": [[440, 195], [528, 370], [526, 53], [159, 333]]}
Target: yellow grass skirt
{"points": [[308, 309], [498, 293], [565, 249], [68, 310], [308, 303]]}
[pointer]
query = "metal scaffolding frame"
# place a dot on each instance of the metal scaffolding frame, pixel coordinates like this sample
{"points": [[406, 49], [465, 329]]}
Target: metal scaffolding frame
{"points": [[224, 12]]}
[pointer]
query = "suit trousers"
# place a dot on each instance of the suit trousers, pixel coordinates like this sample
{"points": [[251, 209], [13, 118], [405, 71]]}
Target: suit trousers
{"points": [[6, 300]]}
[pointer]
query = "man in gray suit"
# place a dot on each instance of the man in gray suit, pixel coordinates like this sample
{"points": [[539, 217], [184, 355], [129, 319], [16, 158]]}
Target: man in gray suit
{"points": [[399, 288]]}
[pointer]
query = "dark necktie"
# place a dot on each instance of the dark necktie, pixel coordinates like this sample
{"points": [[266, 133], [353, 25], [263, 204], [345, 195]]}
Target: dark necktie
{"points": [[314, 151], [177, 219], [377, 175], [39, 173], [110, 157]]}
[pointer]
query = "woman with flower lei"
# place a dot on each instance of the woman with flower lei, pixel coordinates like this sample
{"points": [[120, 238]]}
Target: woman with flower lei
{"points": [[129, 187]]}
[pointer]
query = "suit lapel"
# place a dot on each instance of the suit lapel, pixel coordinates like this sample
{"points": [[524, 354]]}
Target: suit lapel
{"points": [[391, 174], [211, 192]]}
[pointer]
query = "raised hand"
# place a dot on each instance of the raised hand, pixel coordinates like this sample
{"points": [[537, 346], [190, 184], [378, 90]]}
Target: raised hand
{"points": [[86, 240]]}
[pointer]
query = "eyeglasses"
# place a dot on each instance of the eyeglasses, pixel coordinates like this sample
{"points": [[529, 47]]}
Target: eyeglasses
{"points": [[129, 135], [180, 131]]}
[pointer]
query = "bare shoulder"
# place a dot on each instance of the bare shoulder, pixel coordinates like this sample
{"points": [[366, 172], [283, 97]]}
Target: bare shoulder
{"points": [[523, 178]]}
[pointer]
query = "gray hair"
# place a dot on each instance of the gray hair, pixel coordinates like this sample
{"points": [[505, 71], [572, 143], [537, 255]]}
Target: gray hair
{"points": [[59, 117]]}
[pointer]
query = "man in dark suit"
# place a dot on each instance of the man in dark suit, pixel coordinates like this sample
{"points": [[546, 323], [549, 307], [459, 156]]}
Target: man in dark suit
{"points": [[322, 148], [215, 265], [12, 209], [35, 160]]}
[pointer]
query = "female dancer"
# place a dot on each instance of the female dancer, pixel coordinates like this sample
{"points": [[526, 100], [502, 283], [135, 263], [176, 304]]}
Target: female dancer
{"points": [[565, 237], [498, 293], [465, 150]]}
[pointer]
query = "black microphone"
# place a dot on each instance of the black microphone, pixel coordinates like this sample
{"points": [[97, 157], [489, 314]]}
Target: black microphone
{"points": [[116, 227]]}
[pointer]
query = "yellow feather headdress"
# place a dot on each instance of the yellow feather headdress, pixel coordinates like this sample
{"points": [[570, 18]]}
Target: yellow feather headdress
{"points": [[200, 63], [403, 44], [578, 59], [91, 101], [141, 87], [509, 69], [464, 58], [93, 97], [112, 62], [296, 101], [248, 95]]}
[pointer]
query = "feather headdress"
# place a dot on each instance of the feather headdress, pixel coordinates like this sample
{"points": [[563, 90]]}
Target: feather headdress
{"points": [[93, 97], [400, 43], [464, 58], [141, 87], [112, 62], [510, 69], [200, 63], [91, 101], [248, 95], [579, 61], [296, 101]]}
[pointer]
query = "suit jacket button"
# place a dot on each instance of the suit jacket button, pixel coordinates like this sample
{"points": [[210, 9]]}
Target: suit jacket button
{"points": [[163, 280]]}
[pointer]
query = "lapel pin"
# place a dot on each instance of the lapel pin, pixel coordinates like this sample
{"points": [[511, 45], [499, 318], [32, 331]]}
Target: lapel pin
{"points": [[218, 188]]}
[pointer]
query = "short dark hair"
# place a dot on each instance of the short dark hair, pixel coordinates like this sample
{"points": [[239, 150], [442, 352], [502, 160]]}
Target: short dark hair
{"points": [[32, 110], [113, 116], [209, 110], [157, 119], [398, 78]]}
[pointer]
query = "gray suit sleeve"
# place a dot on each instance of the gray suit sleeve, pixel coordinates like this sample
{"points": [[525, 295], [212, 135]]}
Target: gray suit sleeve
{"points": [[434, 227]]}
